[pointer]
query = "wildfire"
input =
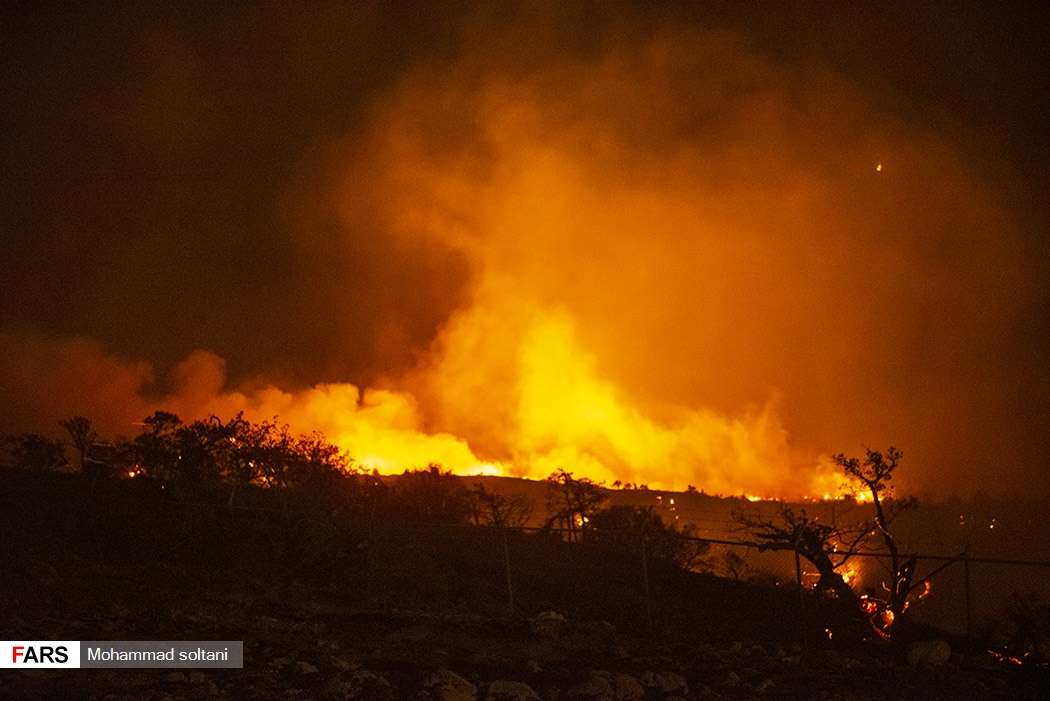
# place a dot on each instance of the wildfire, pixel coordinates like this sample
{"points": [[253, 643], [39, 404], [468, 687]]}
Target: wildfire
{"points": [[557, 411], [849, 575], [547, 407], [880, 615], [591, 304], [1007, 658]]}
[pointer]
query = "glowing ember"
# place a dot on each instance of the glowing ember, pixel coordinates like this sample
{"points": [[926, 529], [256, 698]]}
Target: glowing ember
{"points": [[849, 575]]}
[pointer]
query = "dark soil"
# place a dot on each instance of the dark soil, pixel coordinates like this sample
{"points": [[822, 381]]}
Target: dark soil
{"points": [[382, 610]]}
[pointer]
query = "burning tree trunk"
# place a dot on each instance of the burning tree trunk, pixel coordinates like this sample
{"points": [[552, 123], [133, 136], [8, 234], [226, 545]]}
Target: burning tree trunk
{"points": [[874, 473], [828, 546], [572, 502], [813, 541]]}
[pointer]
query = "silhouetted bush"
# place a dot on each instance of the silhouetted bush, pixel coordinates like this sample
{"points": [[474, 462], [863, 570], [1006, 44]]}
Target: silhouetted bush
{"points": [[31, 451], [431, 496], [632, 528]]}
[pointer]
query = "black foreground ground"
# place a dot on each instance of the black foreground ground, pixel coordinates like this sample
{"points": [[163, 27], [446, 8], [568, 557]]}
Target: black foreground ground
{"points": [[415, 613]]}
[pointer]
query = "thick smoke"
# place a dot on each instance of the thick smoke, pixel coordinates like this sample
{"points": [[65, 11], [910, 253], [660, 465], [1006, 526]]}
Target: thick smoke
{"points": [[717, 231], [641, 245]]}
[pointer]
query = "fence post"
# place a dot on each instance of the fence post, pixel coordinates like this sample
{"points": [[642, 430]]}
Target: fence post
{"points": [[645, 580], [969, 607], [801, 600], [506, 567]]}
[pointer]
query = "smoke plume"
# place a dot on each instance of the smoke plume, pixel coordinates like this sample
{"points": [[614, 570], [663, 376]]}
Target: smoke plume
{"points": [[654, 247]]}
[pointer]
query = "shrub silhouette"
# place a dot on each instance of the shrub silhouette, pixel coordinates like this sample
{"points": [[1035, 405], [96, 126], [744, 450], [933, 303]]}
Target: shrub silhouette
{"points": [[640, 530], [32, 451]]}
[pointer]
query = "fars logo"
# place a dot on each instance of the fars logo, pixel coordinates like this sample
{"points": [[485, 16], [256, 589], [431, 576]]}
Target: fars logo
{"points": [[35, 654]]}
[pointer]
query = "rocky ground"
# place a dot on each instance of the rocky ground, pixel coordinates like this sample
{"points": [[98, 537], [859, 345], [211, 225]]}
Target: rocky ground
{"points": [[431, 622], [313, 647]]}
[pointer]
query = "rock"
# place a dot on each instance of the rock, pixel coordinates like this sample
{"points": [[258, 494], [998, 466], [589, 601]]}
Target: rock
{"points": [[626, 688], [176, 677], [594, 687], [446, 685], [929, 653], [765, 687], [345, 663], [706, 693], [197, 677], [328, 644], [730, 679], [547, 624], [665, 683], [503, 690], [280, 662], [365, 684], [304, 667]]}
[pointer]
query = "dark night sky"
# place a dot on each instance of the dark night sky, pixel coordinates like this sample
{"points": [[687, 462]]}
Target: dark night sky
{"points": [[376, 193]]}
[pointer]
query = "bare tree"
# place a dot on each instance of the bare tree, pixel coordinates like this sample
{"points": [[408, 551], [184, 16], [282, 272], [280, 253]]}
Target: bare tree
{"points": [[874, 473], [432, 496], [829, 545], [499, 510], [824, 545], [83, 437], [504, 513], [572, 502]]}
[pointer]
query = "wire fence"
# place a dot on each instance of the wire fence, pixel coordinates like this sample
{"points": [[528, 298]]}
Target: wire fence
{"points": [[959, 590], [957, 593]]}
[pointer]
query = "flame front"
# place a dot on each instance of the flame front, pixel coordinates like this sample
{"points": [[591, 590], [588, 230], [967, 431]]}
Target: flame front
{"points": [[524, 401], [629, 311]]}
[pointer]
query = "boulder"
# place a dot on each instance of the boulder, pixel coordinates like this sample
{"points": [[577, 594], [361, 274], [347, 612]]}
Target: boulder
{"points": [[547, 624], [504, 690], [929, 653], [446, 685], [665, 683], [594, 687], [626, 688], [304, 667]]}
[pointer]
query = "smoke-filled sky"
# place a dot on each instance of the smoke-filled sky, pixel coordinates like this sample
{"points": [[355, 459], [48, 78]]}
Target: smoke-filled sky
{"points": [[670, 243]]}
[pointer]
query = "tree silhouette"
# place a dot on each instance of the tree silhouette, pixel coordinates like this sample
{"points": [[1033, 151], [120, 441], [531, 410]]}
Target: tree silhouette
{"points": [[157, 449], [827, 546], [640, 531], [499, 510], [572, 502], [830, 545], [83, 437], [874, 473], [31, 451], [432, 496]]}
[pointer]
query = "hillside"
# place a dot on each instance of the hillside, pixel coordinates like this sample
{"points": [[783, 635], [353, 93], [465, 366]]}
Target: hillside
{"points": [[326, 613]]}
